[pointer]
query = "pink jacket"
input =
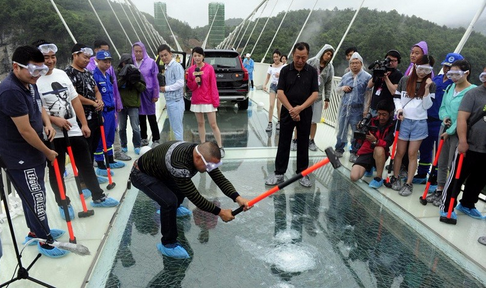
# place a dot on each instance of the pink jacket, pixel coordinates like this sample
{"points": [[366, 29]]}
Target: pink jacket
{"points": [[207, 92]]}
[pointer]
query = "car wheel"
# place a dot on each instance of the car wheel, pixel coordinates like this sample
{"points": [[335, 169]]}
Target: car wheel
{"points": [[243, 105]]}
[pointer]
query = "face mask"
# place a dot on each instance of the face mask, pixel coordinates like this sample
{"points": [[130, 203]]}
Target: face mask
{"points": [[46, 48], [34, 70], [455, 75], [425, 69]]}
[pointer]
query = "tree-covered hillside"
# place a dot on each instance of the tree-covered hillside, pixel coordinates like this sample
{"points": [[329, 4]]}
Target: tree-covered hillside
{"points": [[374, 32]]}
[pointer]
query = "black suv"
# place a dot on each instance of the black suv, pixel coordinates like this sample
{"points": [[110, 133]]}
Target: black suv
{"points": [[231, 77]]}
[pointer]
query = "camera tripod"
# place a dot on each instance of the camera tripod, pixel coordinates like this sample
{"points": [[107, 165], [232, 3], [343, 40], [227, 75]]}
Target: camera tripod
{"points": [[22, 273]]}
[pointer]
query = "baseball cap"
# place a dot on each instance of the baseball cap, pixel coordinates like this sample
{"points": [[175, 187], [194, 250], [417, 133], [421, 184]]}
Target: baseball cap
{"points": [[450, 58], [103, 54]]}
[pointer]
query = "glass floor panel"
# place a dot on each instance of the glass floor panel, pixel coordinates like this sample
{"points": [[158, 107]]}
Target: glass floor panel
{"points": [[330, 235]]}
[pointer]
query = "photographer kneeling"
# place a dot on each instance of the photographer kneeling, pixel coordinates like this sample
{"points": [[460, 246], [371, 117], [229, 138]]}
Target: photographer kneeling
{"points": [[376, 144]]}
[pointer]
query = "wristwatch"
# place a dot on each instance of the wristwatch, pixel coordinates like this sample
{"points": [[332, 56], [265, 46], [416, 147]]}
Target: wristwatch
{"points": [[375, 142]]}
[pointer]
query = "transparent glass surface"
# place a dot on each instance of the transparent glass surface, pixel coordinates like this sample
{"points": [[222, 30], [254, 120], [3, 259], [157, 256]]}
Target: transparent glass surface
{"points": [[330, 235]]}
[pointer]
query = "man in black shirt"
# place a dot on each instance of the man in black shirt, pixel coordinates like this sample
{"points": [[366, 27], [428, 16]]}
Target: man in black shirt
{"points": [[297, 90], [164, 173], [384, 87]]}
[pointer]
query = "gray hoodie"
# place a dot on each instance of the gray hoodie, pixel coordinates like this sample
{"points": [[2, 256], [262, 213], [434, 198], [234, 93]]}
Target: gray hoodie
{"points": [[325, 76]]}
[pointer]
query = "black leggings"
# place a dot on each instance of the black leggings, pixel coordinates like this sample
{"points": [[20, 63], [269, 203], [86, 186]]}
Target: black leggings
{"points": [[153, 126]]}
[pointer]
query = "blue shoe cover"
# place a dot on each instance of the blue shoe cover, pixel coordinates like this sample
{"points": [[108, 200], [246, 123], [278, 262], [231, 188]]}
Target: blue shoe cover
{"points": [[117, 165], [376, 184], [70, 210], [173, 250], [124, 149], [137, 151], [102, 180], [52, 253], [183, 211], [106, 203], [86, 193], [158, 212], [432, 188], [104, 173], [444, 214], [55, 233], [473, 213]]}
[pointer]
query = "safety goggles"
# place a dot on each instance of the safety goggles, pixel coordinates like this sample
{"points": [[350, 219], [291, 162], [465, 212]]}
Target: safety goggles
{"points": [[482, 77], [455, 74], [34, 70], [86, 50], [46, 48], [209, 166], [426, 69]]}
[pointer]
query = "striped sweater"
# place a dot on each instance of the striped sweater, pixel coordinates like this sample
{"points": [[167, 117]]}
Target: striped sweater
{"points": [[172, 162]]}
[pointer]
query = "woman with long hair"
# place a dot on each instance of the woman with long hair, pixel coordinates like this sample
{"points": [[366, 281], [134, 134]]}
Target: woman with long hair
{"points": [[412, 99], [201, 80], [273, 73]]}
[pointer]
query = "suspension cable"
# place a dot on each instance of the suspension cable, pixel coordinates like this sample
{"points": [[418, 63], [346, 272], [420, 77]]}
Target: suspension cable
{"points": [[119, 22], [146, 33], [276, 32], [263, 29], [170, 28], [64, 22], [210, 27], [103, 26], [129, 21], [147, 43], [256, 22], [303, 26], [347, 30]]}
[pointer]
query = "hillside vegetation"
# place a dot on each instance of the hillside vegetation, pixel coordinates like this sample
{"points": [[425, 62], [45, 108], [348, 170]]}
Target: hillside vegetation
{"points": [[374, 32]]}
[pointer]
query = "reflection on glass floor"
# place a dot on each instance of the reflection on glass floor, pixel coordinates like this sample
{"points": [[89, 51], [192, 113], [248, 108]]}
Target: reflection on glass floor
{"points": [[330, 235]]}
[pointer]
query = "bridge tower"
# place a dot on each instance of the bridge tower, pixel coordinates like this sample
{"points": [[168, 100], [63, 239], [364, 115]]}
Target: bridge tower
{"points": [[216, 13]]}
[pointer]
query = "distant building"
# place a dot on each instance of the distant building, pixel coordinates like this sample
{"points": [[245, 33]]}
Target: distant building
{"points": [[160, 8], [216, 14]]}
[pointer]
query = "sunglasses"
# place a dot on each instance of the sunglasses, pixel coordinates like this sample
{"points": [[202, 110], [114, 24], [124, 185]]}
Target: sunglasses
{"points": [[86, 50], [46, 48], [209, 166], [423, 68], [482, 77], [34, 70], [455, 74]]}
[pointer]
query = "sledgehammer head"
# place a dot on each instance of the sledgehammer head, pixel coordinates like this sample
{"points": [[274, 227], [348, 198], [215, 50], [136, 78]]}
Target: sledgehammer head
{"points": [[332, 158]]}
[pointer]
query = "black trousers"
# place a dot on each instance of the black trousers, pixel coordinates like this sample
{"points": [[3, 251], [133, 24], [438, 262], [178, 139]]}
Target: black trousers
{"points": [[94, 138], [473, 171], [286, 129], [152, 119], [83, 163]]}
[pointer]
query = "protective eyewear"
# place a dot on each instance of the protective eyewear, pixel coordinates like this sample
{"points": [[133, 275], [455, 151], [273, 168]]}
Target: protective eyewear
{"points": [[455, 74], [426, 69], [46, 48], [209, 166], [34, 70], [482, 77], [86, 50]]}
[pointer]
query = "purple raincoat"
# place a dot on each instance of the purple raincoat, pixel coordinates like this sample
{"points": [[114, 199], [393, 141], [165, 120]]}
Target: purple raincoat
{"points": [[149, 70]]}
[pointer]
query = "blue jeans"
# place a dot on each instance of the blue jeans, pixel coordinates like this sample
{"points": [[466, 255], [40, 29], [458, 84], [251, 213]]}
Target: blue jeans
{"points": [[168, 200], [175, 111], [348, 120], [131, 112]]}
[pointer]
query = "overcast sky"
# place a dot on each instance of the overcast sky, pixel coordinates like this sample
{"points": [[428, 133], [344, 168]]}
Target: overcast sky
{"points": [[442, 12]]}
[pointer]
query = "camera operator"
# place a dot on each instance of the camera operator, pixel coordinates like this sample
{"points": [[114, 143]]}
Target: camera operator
{"points": [[376, 145], [385, 79]]}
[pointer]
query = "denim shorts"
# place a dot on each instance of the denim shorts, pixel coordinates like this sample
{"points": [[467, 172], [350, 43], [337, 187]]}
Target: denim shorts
{"points": [[412, 130], [273, 87]]}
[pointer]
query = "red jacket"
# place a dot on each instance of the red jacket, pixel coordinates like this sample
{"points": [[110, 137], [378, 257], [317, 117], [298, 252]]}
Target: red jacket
{"points": [[384, 134]]}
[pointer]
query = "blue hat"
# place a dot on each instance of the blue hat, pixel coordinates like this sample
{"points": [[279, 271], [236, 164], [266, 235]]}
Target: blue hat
{"points": [[450, 58], [102, 55]]}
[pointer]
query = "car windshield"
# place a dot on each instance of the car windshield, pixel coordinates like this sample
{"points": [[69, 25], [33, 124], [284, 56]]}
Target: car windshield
{"points": [[224, 62]]}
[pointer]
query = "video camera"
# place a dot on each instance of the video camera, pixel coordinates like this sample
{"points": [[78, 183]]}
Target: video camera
{"points": [[380, 67], [364, 126]]}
